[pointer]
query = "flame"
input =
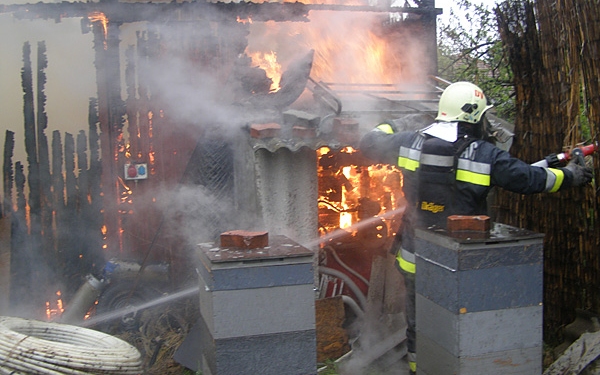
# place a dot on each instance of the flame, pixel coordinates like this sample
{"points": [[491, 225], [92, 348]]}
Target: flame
{"points": [[268, 62], [55, 308], [350, 47], [127, 150], [244, 20], [361, 58], [346, 217], [349, 188], [100, 17], [91, 311]]}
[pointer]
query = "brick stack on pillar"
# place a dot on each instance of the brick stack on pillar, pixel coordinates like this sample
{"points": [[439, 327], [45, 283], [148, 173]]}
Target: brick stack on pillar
{"points": [[257, 306], [479, 299]]}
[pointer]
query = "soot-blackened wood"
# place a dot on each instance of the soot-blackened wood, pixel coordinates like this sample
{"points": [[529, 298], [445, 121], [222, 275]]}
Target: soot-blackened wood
{"points": [[95, 219], [90, 254], [71, 247], [38, 268], [46, 201], [111, 113], [20, 270], [7, 170]]}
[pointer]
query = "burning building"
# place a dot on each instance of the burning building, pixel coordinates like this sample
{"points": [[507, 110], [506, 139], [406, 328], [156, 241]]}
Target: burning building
{"points": [[219, 115], [197, 74]]}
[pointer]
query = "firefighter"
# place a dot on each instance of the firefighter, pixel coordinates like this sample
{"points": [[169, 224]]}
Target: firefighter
{"points": [[449, 167]]}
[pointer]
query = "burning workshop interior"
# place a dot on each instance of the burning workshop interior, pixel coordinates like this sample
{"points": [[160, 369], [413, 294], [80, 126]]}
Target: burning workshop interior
{"points": [[212, 117]]}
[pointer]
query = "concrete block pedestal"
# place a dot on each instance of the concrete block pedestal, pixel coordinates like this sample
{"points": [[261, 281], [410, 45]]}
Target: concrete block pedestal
{"points": [[479, 303], [257, 310]]}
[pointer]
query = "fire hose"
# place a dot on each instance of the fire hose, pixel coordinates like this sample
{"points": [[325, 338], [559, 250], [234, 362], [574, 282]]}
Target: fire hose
{"points": [[36, 347], [362, 300], [555, 160]]}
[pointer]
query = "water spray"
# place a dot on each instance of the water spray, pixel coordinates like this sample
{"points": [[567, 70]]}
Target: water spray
{"points": [[357, 226], [91, 290], [117, 314]]}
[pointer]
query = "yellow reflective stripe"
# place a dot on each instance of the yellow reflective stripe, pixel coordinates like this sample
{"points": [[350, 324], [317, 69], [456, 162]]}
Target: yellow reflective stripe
{"points": [[406, 265], [473, 178], [408, 164], [386, 128], [413, 366], [560, 177]]}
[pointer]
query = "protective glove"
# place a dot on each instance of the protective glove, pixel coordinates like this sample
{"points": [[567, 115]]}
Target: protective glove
{"points": [[580, 174]]}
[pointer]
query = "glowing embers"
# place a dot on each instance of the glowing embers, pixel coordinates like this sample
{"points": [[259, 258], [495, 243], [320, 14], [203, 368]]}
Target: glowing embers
{"points": [[55, 308], [352, 190], [244, 20], [104, 231]]}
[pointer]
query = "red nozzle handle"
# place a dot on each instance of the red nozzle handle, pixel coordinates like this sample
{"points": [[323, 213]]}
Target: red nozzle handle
{"points": [[586, 150]]}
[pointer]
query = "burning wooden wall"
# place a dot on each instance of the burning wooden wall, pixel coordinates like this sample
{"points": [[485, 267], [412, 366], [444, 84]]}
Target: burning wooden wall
{"points": [[55, 224], [553, 49], [178, 140]]}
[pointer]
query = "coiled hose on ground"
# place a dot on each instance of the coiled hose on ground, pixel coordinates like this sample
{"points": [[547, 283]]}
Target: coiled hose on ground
{"points": [[36, 347]]}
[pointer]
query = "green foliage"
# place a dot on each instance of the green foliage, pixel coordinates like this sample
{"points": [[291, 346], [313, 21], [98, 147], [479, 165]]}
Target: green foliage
{"points": [[470, 49], [328, 368]]}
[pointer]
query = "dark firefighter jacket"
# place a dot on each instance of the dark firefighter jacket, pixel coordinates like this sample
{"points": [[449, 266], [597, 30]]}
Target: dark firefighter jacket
{"points": [[442, 178]]}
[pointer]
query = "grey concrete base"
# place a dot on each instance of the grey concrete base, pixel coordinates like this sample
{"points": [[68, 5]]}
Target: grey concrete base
{"points": [[479, 303], [480, 333], [479, 276], [290, 353], [435, 360], [259, 311]]}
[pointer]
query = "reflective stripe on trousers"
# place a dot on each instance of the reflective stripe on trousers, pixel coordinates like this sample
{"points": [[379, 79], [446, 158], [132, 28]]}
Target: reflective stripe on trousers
{"points": [[406, 260], [412, 361]]}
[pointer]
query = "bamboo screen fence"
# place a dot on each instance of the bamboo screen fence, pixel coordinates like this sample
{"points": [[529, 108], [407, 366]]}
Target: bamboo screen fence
{"points": [[554, 51]]}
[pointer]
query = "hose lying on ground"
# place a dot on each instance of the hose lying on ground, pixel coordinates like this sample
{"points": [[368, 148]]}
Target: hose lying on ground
{"points": [[36, 347]]}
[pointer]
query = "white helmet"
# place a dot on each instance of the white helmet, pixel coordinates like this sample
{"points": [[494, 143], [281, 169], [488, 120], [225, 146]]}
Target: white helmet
{"points": [[462, 101]]}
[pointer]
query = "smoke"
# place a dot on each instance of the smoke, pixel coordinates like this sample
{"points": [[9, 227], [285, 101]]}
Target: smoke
{"points": [[351, 47], [199, 84], [192, 94], [195, 214]]}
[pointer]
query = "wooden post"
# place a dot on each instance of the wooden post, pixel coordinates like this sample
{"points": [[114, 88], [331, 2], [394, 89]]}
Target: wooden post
{"points": [[110, 117]]}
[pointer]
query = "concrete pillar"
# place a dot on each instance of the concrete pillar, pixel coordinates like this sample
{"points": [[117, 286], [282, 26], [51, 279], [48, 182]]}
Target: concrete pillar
{"points": [[257, 310], [479, 302]]}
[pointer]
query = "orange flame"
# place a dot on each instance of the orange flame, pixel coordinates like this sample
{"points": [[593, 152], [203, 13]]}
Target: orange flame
{"points": [[343, 187], [346, 217], [350, 47], [55, 308], [100, 17], [268, 62], [244, 20]]}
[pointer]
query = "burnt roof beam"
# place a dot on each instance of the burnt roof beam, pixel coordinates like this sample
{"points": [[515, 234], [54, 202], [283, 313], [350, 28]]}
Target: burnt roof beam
{"points": [[178, 12]]}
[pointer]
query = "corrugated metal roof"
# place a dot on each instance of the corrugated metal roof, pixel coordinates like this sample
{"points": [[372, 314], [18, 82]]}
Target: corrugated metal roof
{"points": [[274, 144]]}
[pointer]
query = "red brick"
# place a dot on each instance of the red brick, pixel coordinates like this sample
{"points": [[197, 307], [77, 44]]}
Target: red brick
{"points": [[244, 239], [478, 223], [303, 132], [269, 130]]}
